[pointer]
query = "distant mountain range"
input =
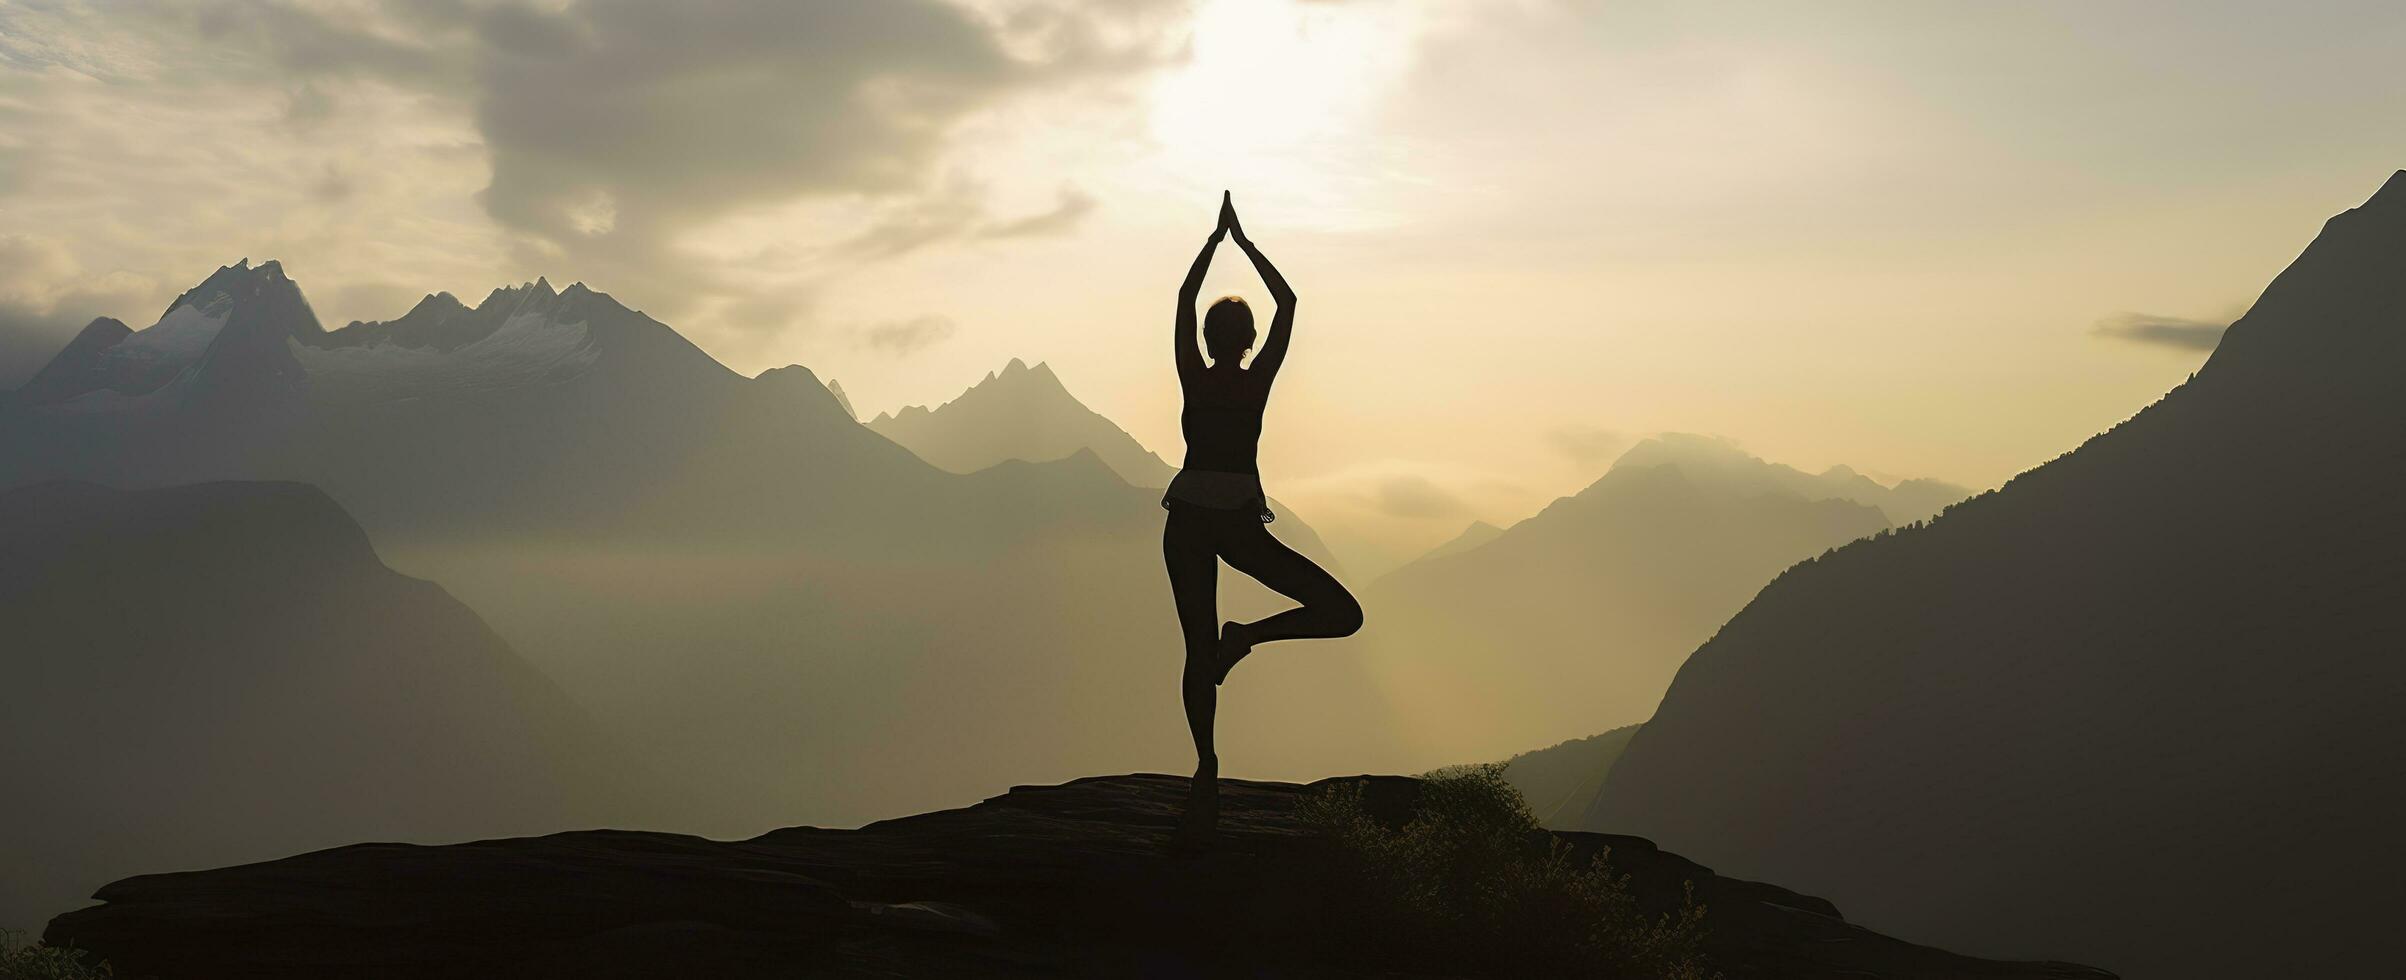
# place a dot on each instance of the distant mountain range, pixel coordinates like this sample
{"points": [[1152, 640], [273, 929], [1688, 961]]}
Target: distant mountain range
{"points": [[1026, 414], [1723, 464], [1575, 619], [1022, 413], [1478, 533], [2139, 707], [225, 672], [738, 580]]}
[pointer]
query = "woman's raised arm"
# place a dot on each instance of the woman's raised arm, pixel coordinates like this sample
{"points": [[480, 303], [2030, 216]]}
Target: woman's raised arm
{"points": [[1273, 347], [1184, 343]]}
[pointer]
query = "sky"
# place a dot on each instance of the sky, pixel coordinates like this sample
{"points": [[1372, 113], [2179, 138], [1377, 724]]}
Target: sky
{"points": [[1943, 239]]}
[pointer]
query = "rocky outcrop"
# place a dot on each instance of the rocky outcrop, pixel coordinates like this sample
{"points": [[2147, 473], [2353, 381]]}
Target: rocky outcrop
{"points": [[1070, 880]]}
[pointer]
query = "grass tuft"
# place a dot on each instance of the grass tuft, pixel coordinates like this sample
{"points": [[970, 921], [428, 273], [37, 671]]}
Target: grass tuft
{"points": [[23, 960], [1472, 881]]}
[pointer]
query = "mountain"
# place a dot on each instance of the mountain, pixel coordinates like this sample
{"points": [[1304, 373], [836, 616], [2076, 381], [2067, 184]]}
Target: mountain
{"points": [[1577, 617], [1478, 533], [1560, 781], [2139, 706], [738, 580], [559, 411], [219, 348], [82, 366], [841, 400], [1721, 462], [1070, 880], [226, 672], [1024, 413]]}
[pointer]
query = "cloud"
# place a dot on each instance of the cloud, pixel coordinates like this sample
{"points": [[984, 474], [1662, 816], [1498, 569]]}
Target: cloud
{"points": [[2162, 331], [1408, 493], [1074, 207], [28, 265], [612, 139], [14, 161], [958, 211], [1379, 514], [28, 340], [385, 300], [902, 338], [334, 184], [676, 115], [162, 139], [1586, 444], [308, 40], [683, 112], [917, 223], [309, 106], [45, 297], [768, 311], [1416, 497]]}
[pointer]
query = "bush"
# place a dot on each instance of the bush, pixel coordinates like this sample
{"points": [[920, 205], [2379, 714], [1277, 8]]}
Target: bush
{"points": [[1471, 881], [20, 960]]}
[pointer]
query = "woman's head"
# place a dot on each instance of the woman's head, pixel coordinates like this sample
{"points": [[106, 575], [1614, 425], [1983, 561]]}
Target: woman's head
{"points": [[1228, 328]]}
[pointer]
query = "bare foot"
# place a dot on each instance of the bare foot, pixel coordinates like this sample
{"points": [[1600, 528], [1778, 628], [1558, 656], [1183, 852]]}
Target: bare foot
{"points": [[1199, 827], [1235, 643]]}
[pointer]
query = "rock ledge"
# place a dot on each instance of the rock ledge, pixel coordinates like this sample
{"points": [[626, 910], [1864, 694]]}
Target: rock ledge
{"points": [[1042, 881]]}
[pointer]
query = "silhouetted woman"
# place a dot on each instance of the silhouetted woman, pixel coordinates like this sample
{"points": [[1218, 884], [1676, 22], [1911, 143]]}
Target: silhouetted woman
{"points": [[1217, 511]]}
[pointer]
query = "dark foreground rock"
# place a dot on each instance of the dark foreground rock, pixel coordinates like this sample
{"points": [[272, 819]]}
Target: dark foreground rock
{"points": [[1071, 880]]}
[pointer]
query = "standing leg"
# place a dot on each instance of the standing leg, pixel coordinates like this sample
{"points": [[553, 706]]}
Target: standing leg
{"points": [[1187, 548], [1327, 609]]}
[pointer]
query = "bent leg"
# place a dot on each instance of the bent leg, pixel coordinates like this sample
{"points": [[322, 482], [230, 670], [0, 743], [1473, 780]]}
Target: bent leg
{"points": [[1327, 609]]}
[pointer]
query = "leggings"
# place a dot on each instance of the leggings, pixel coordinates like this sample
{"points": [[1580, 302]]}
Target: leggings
{"points": [[1193, 543]]}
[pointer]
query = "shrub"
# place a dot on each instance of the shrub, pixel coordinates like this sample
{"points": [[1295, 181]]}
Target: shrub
{"points": [[20, 960], [1471, 881]]}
